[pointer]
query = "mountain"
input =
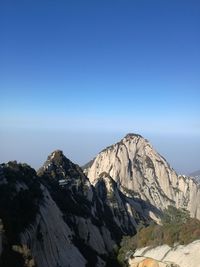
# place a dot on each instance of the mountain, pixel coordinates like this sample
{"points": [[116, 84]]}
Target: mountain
{"points": [[34, 231], [57, 218], [63, 216], [142, 173], [196, 173], [196, 176]]}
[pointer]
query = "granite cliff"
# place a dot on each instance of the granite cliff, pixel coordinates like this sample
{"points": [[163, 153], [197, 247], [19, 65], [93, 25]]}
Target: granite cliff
{"points": [[142, 173], [57, 218], [165, 256]]}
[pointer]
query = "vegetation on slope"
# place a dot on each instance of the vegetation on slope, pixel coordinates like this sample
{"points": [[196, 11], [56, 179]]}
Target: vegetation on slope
{"points": [[20, 197], [177, 228]]}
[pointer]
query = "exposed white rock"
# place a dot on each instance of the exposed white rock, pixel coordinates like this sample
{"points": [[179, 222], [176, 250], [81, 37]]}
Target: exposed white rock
{"points": [[137, 167], [183, 256], [148, 262]]}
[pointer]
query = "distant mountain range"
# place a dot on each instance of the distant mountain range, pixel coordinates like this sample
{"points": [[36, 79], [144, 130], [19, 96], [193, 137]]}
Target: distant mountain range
{"points": [[196, 175], [64, 216]]}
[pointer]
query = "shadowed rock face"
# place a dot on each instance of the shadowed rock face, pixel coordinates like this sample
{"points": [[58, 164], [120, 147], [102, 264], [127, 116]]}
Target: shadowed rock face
{"points": [[32, 222], [138, 169], [116, 212], [74, 224]]}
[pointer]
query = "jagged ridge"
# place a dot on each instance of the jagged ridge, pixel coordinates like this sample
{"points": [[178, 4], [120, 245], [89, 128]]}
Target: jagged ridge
{"points": [[71, 224]]}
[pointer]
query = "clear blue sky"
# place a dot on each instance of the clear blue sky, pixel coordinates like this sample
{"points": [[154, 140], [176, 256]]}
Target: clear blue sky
{"points": [[78, 75]]}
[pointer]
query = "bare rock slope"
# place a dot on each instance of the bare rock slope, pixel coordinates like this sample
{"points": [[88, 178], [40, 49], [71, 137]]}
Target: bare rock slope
{"points": [[143, 173], [165, 256], [57, 218]]}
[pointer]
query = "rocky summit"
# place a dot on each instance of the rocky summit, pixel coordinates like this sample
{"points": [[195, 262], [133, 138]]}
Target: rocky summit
{"points": [[64, 216], [56, 217], [142, 172]]}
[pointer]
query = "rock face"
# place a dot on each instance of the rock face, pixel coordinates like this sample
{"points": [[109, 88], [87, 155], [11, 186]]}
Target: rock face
{"points": [[50, 238], [127, 213], [33, 222], [148, 262], [104, 206], [178, 256], [145, 262], [57, 218], [143, 173]]}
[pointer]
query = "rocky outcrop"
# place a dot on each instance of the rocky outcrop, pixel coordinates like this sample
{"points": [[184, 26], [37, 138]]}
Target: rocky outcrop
{"points": [[178, 256], [127, 213], [57, 218], [102, 213], [142, 173], [34, 225], [148, 262], [50, 238]]}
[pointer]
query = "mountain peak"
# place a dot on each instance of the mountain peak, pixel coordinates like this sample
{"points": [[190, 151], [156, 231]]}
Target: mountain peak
{"points": [[56, 158], [56, 154], [137, 167], [131, 135], [128, 137], [58, 167]]}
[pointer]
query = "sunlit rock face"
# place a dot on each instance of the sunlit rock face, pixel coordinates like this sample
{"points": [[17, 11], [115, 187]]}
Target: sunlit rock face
{"points": [[165, 256], [138, 169], [145, 262], [148, 262]]}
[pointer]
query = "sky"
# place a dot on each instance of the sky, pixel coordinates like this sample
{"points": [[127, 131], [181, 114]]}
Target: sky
{"points": [[79, 75]]}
